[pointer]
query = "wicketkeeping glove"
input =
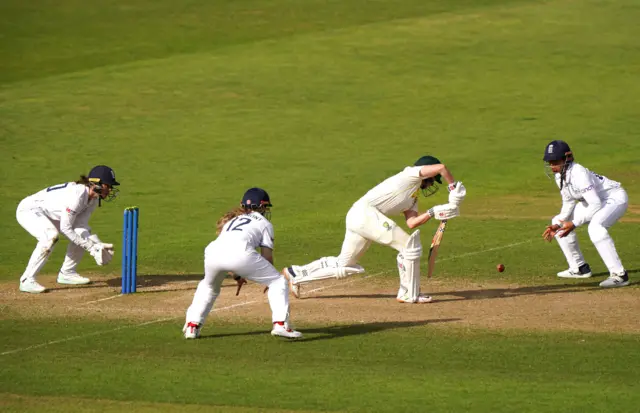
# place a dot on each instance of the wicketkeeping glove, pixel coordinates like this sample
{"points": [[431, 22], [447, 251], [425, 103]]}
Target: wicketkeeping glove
{"points": [[102, 253], [457, 192], [442, 212]]}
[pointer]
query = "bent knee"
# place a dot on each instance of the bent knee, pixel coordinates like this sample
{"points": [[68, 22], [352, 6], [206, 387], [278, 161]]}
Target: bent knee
{"points": [[597, 232], [51, 236]]}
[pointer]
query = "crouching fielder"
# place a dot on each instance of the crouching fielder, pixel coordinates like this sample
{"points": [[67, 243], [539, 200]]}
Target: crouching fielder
{"points": [[367, 221], [587, 198], [240, 232], [66, 209]]}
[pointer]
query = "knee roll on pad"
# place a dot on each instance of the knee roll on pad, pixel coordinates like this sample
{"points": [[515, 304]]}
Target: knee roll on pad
{"points": [[413, 248]]}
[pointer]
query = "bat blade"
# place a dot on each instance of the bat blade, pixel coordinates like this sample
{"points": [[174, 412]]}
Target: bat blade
{"points": [[435, 246]]}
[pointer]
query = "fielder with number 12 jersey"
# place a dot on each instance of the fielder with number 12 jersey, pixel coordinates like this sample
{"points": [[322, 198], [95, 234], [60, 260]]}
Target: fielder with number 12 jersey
{"points": [[240, 232]]}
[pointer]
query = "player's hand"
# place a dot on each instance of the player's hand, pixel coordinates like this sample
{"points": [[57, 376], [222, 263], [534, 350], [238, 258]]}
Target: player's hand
{"points": [[457, 192], [442, 212], [102, 253], [567, 227], [550, 232], [240, 281]]}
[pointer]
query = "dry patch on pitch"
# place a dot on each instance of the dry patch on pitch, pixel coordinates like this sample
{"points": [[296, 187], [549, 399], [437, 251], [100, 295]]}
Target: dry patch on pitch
{"points": [[573, 306]]}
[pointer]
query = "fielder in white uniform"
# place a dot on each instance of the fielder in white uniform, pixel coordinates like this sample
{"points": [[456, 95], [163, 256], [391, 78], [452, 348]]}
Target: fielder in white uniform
{"points": [[240, 232], [587, 198], [367, 221], [66, 208]]}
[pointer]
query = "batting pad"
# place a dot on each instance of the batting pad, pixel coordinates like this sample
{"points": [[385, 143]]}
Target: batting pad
{"points": [[324, 268], [409, 267]]}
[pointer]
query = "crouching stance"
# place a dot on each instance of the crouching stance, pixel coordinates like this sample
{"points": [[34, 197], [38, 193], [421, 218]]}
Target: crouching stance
{"points": [[66, 209], [240, 232], [587, 198], [367, 221]]}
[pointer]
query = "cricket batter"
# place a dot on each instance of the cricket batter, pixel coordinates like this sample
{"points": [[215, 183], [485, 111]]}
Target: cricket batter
{"points": [[240, 232], [367, 221], [66, 208], [587, 198]]}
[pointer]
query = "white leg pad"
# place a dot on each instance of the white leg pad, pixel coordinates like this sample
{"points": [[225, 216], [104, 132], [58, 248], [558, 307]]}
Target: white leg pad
{"points": [[322, 269], [409, 268]]}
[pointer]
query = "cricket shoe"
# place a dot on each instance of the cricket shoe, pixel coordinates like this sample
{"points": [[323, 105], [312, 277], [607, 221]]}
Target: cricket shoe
{"points": [[29, 285], [422, 299], [616, 280], [72, 278], [290, 275], [282, 329], [191, 330], [583, 272]]}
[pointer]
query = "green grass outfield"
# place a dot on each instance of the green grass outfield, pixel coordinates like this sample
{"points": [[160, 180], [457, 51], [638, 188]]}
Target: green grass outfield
{"points": [[317, 101]]}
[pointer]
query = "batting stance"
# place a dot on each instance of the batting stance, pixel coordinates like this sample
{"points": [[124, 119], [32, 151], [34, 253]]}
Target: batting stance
{"points": [[66, 208], [240, 232], [587, 198], [367, 221]]}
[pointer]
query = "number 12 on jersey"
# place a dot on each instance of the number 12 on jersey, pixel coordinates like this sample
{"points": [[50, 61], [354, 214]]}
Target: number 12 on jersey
{"points": [[235, 226]]}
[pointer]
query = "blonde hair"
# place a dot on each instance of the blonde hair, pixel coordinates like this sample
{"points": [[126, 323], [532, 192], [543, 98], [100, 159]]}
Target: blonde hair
{"points": [[235, 212]]}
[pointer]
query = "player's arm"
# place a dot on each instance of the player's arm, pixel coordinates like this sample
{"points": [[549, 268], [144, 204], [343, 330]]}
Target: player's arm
{"points": [[266, 246], [67, 220], [267, 253], [430, 171], [586, 184], [414, 219]]}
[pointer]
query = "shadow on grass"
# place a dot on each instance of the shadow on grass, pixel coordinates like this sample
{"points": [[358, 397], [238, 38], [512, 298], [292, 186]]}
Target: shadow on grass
{"points": [[483, 294], [174, 282], [331, 332]]}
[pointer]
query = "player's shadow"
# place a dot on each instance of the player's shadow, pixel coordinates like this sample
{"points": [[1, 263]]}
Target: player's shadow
{"points": [[331, 332], [489, 293], [172, 282]]}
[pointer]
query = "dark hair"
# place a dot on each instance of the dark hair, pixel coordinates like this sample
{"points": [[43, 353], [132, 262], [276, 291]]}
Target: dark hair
{"points": [[83, 180]]}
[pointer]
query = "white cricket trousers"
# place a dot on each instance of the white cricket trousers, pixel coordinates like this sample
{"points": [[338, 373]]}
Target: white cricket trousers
{"points": [[365, 224], [47, 233], [244, 261], [612, 210]]}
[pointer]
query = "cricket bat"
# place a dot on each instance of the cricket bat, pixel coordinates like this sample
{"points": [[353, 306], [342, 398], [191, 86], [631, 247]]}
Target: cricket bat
{"points": [[435, 246]]}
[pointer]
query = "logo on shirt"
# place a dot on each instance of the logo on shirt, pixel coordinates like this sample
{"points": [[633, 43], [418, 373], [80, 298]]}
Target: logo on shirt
{"points": [[587, 189], [386, 226], [70, 211]]}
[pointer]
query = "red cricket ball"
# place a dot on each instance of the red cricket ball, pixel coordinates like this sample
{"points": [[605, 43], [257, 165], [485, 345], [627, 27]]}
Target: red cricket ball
{"points": [[500, 267]]}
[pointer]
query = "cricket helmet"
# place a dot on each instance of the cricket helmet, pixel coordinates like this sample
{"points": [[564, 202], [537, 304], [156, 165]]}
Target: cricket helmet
{"points": [[102, 174], [557, 151], [256, 198], [430, 160]]}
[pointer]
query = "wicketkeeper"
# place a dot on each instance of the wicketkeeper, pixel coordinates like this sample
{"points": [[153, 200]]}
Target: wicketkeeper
{"points": [[66, 208], [587, 198], [367, 221]]}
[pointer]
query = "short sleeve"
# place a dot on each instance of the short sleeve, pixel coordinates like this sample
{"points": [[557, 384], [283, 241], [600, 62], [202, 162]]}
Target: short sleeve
{"points": [[267, 236]]}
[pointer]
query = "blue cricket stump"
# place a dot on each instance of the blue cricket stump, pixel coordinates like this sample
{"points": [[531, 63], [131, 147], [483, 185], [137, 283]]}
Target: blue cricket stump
{"points": [[129, 250]]}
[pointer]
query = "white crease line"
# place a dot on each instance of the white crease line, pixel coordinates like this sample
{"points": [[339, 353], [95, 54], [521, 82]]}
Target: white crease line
{"points": [[487, 250], [97, 333], [103, 299]]}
